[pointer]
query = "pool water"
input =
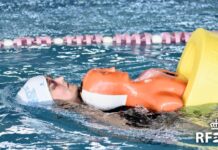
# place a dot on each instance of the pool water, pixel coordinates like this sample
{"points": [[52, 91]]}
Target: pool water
{"points": [[27, 127]]}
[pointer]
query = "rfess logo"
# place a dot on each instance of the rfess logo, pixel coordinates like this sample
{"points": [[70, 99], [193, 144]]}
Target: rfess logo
{"points": [[205, 137]]}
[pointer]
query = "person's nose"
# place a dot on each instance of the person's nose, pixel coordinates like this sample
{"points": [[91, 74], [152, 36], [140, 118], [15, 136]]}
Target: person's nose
{"points": [[60, 80]]}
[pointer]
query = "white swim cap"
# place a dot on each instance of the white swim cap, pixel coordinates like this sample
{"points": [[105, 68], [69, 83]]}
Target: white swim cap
{"points": [[35, 90]]}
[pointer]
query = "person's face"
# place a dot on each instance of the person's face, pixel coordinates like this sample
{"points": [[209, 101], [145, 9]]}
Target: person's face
{"points": [[61, 90]]}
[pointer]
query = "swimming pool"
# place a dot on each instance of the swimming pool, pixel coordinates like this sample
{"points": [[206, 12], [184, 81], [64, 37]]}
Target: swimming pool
{"points": [[53, 127]]}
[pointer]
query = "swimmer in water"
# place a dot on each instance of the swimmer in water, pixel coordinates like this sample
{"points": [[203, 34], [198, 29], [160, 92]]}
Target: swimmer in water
{"points": [[164, 84], [155, 89]]}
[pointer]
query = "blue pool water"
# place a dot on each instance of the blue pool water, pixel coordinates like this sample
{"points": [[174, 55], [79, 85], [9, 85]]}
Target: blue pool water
{"points": [[25, 127]]}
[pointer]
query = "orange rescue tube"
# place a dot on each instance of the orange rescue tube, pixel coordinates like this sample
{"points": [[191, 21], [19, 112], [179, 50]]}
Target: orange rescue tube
{"points": [[155, 89]]}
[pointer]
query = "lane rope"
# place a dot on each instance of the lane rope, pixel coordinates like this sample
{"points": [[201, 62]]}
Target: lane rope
{"points": [[119, 39]]}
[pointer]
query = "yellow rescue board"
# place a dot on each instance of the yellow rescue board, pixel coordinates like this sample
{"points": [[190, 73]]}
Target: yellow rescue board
{"points": [[199, 66]]}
